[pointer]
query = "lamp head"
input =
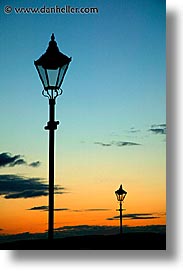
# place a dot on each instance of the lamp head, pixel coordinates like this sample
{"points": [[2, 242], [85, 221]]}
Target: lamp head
{"points": [[52, 67], [120, 193]]}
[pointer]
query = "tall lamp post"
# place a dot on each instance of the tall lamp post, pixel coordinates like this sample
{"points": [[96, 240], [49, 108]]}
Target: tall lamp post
{"points": [[120, 194], [52, 67]]}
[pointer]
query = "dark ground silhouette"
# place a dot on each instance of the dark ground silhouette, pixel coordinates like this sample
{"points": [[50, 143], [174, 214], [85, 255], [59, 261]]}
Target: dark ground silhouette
{"points": [[129, 241]]}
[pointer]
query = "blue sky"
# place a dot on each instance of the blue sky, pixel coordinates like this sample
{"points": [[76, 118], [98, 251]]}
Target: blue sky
{"points": [[118, 54]]}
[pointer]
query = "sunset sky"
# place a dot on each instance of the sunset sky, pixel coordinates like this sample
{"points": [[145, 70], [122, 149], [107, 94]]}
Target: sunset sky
{"points": [[112, 116]]}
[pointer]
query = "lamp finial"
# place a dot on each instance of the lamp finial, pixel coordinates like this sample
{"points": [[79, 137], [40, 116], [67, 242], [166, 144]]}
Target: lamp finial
{"points": [[52, 37]]}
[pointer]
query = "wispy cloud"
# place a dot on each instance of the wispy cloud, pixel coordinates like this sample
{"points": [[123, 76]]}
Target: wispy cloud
{"points": [[39, 208], [103, 144], [158, 129], [125, 143], [45, 208], [9, 160], [133, 130], [14, 187], [136, 216], [117, 143], [35, 164], [90, 210]]}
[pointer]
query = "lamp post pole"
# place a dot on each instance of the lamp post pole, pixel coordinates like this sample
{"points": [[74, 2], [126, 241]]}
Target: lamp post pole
{"points": [[120, 217], [51, 126], [52, 67]]}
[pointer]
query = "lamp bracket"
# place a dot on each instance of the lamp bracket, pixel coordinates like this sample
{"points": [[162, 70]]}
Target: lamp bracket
{"points": [[52, 94]]}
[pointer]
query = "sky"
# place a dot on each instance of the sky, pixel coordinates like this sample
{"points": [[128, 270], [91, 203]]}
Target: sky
{"points": [[112, 116]]}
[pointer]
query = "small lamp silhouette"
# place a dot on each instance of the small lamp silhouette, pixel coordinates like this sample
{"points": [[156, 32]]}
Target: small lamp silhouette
{"points": [[52, 67], [120, 194]]}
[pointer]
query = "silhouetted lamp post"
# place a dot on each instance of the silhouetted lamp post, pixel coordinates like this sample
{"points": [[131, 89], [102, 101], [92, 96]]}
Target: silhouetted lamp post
{"points": [[120, 194], [52, 67]]}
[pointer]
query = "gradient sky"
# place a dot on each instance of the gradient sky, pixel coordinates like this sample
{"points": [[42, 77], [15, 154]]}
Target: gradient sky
{"points": [[112, 113]]}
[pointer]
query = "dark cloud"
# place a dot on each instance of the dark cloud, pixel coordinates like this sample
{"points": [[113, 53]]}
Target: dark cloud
{"points": [[80, 230], [158, 129], [117, 143], [26, 194], [136, 216], [61, 209], [139, 216], [14, 187], [8, 160], [125, 143], [35, 164], [113, 218], [39, 208], [45, 208], [159, 125], [19, 161]]}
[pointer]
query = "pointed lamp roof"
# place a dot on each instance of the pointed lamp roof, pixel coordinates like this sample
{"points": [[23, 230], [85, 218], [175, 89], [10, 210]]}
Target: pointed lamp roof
{"points": [[52, 59]]}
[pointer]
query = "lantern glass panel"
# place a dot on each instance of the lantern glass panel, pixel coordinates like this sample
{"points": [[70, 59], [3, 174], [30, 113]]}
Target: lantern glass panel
{"points": [[52, 77], [61, 75], [120, 197], [42, 74]]}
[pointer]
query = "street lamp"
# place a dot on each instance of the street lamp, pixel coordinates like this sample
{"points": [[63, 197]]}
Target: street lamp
{"points": [[120, 194], [52, 67]]}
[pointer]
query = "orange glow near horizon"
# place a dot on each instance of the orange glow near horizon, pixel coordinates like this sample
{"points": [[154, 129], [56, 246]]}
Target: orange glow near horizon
{"points": [[89, 196], [89, 207]]}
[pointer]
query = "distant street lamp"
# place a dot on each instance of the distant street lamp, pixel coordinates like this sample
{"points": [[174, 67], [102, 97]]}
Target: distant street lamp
{"points": [[52, 67], [120, 194]]}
